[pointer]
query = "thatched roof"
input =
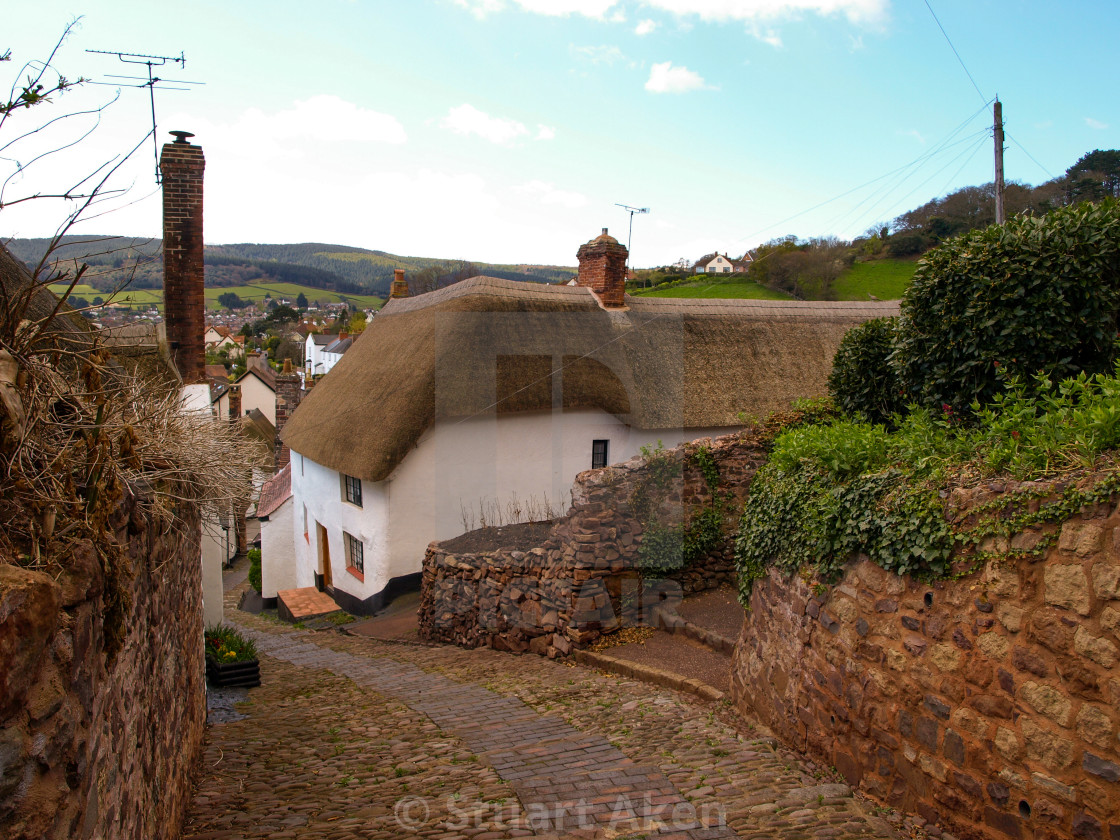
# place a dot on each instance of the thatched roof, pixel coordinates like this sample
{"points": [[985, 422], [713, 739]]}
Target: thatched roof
{"points": [[25, 299], [487, 345]]}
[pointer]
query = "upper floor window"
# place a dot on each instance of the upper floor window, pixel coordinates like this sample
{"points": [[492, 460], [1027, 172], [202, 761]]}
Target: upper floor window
{"points": [[352, 489], [599, 453]]}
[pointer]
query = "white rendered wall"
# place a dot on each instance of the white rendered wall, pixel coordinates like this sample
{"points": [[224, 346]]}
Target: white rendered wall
{"points": [[318, 491], [457, 473], [278, 551], [214, 555], [255, 394]]}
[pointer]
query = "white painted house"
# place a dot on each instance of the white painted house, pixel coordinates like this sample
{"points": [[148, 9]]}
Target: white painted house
{"points": [[258, 388], [321, 352], [491, 392], [274, 513]]}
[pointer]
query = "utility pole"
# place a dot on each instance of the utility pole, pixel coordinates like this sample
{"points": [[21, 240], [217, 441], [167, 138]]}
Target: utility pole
{"points": [[997, 111]]}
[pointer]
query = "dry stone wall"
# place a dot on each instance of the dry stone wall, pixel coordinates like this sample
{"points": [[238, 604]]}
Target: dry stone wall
{"points": [[585, 579], [88, 748], [990, 704]]}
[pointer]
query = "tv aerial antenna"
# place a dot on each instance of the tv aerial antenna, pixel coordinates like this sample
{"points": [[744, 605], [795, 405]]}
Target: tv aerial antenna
{"points": [[152, 83], [632, 211]]}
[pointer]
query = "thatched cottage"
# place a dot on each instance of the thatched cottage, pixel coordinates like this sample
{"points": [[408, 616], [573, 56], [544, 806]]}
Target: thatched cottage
{"points": [[491, 394]]}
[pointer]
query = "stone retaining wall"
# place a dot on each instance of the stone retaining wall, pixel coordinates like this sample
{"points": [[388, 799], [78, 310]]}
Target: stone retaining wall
{"points": [[585, 579], [989, 704], [89, 749]]}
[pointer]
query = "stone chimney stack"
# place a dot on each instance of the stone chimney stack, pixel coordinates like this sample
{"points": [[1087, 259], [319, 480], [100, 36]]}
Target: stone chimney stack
{"points": [[234, 403], [184, 305], [288, 395], [602, 268], [400, 286]]}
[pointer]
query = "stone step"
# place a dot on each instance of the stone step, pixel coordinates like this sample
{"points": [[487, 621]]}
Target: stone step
{"points": [[294, 605]]}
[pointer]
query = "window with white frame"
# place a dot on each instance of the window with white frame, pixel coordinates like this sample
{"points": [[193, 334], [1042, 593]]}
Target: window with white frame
{"points": [[352, 489], [355, 553]]}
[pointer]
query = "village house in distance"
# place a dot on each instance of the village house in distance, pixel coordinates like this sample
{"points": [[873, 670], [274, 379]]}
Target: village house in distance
{"points": [[495, 392]]}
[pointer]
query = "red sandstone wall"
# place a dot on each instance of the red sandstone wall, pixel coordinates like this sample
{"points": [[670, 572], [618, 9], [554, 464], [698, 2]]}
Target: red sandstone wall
{"points": [[90, 750], [989, 704]]}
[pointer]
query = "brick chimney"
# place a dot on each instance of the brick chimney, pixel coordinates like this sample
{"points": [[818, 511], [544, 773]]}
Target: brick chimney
{"points": [[184, 304], [234, 403], [602, 268], [288, 395], [400, 287]]}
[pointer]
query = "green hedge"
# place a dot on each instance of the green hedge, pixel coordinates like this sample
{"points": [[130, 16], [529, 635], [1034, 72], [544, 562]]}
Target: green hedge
{"points": [[1032, 295]]}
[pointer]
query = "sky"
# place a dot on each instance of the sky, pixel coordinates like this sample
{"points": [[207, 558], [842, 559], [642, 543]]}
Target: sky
{"points": [[508, 130]]}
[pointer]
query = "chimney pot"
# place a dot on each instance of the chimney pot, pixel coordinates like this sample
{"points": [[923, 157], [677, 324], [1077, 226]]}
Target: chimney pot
{"points": [[400, 286], [602, 268], [181, 137]]}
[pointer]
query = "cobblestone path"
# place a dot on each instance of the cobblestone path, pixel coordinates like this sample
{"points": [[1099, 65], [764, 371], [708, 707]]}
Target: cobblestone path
{"points": [[353, 738]]}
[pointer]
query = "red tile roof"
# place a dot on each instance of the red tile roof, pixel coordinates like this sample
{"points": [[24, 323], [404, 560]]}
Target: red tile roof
{"points": [[275, 492]]}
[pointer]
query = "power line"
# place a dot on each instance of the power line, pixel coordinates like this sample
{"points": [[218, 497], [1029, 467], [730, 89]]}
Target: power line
{"points": [[954, 49], [937, 149], [1023, 149]]}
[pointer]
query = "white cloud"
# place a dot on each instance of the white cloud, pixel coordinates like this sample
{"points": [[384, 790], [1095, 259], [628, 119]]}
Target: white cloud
{"points": [[645, 27], [545, 132], [665, 78], [547, 193], [603, 54], [325, 118], [467, 120], [857, 11], [913, 132], [555, 8], [1097, 124]]}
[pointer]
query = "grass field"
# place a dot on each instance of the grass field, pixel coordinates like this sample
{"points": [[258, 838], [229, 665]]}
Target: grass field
{"points": [[255, 292], [717, 288], [886, 279]]}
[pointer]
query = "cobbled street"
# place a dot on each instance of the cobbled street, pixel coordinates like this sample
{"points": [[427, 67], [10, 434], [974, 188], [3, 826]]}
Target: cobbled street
{"points": [[351, 737]]}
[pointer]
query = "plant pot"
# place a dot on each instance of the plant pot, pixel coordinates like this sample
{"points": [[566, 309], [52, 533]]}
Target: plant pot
{"points": [[233, 674]]}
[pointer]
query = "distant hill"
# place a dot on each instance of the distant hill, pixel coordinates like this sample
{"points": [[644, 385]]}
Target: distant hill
{"points": [[337, 268]]}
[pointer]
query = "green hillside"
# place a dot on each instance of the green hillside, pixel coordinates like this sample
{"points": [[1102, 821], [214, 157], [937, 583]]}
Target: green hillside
{"points": [[710, 287], [143, 298], [354, 272], [885, 279]]}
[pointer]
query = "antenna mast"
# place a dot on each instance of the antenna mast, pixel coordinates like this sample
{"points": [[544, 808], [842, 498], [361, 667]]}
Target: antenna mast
{"points": [[150, 83], [632, 211]]}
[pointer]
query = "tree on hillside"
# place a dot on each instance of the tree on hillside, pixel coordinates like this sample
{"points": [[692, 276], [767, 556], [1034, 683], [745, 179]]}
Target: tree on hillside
{"points": [[282, 314], [232, 300], [440, 274], [301, 301], [1095, 176]]}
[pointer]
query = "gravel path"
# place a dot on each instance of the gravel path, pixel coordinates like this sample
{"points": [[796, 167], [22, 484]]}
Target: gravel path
{"points": [[352, 737]]}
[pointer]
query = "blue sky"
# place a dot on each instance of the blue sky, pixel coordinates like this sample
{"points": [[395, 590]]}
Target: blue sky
{"points": [[506, 130]]}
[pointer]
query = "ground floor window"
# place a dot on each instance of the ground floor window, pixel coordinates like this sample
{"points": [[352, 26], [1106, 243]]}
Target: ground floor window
{"points": [[355, 553], [599, 454]]}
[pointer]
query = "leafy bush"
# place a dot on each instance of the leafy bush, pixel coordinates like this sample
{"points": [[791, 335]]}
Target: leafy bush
{"points": [[1028, 296], [839, 449], [255, 569], [661, 549], [224, 645], [846, 487], [862, 381], [1040, 428]]}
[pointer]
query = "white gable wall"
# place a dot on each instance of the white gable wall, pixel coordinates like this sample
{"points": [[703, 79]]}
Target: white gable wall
{"points": [[256, 394], [278, 551], [456, 469]]}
